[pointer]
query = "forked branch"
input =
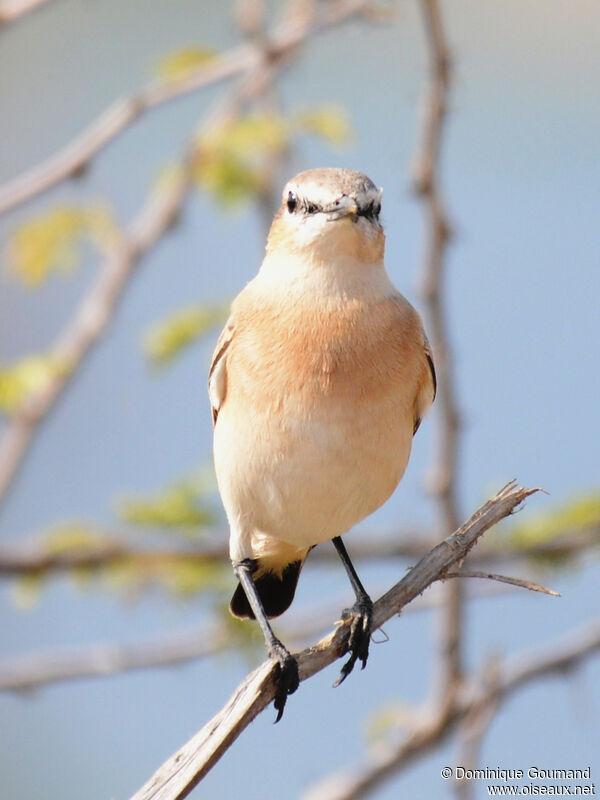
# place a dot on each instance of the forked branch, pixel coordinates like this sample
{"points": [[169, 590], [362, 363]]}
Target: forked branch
{"points": [[180, 773]]}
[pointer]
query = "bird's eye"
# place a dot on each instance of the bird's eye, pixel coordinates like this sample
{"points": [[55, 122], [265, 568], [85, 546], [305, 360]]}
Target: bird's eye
{"points": [[292, 202]]}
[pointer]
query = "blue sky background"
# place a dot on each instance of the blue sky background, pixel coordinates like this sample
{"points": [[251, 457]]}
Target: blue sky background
{"points": [[521, 174]]}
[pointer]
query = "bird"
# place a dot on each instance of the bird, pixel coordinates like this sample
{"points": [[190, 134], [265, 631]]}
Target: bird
{"points": [[318, 383]]}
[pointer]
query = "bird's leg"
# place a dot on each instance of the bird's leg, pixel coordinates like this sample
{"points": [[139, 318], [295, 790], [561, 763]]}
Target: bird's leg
{"points": [[361, 614], [286, 676]]}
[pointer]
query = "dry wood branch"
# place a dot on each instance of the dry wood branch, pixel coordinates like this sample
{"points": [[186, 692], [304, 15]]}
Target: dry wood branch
{"points": [[491, 576], [426, 183], [35, 670], [77, 155], [91, 319], [178, 776], [94, 314], [478, 695], [11, 10], [37, 558]]}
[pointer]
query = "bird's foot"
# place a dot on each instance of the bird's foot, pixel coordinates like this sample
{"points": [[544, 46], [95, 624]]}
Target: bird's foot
{"points": [[361, 615], [287, 679]]}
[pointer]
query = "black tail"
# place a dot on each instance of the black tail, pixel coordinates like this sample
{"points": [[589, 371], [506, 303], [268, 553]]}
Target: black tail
{"points": [[276, 593]]}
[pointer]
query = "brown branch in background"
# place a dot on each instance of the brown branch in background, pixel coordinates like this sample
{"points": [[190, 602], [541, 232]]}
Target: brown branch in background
{"points": [[443, 474], [91, 319], [478, 696], [473, 726], [33, 670], [11, 10], [78, 154], [178, 776], [23, 673], [19, 559]]}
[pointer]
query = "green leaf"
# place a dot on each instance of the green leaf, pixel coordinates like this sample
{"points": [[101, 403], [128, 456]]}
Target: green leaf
{"points": [[385, 721], [231, 161], [187, 578], [329, 123], [183, 505], [51, 243], [168, 338], [28, 377], [73, 536], [26, 591], [178, 64], [579, 513]]}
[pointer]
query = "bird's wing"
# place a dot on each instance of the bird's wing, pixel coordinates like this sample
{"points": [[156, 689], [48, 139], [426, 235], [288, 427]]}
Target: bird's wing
{"points": [[429, 357], [430, 390], [217, 375]]}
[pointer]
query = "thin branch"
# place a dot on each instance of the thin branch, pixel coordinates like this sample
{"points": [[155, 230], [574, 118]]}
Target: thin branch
{"points": [[564, 654], [76, 156], [91, 319], [34, 670], [11, 10], [38, 669], [93, 315], [40, 558], [491, 576], [443, 473], [473, 727], [178, 776]]}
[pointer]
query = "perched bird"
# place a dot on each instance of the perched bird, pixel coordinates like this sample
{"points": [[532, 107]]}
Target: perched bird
{"points": [[317, 384]]}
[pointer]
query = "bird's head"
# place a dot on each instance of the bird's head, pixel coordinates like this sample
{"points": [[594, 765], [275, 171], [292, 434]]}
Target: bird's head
{"points": [[327, 213]]}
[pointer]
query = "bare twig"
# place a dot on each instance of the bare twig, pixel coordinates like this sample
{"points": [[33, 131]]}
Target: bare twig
{"points": [[178, 776], [91, 319], [444, 468], [37, 557], [566, 653], [77, 155], [38, 669], [34, 670], [473, 726], [491, 576]]}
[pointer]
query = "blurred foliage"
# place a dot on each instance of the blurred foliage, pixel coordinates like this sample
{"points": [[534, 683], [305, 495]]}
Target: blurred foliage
{"points": [[52, 242], [178, 64], [26, 591], [79, 536], [578, 514], [246, 639], [327, 122], [27, 377], [384, 722], [182, 576], [123, 569], [184, 506], [168, 338], [233, 160]]}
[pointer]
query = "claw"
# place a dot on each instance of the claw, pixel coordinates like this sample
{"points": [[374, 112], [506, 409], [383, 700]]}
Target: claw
{"points": [[361, 614], [287, 679]]}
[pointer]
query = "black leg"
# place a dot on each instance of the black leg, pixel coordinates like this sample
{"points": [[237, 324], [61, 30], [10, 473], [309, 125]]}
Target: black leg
{"points": [[287, 679], [361, 614]]}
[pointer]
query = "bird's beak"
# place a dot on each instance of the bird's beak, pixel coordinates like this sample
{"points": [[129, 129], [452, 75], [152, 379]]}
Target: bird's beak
{"points": [[347, 207]]}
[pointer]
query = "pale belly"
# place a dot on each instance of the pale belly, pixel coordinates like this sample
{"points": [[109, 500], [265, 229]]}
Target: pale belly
{"points": [[310, 479]]}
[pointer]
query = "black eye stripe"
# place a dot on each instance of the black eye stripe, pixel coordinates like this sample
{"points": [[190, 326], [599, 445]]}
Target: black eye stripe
{"points": [[371, 211], [293, 203]]}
